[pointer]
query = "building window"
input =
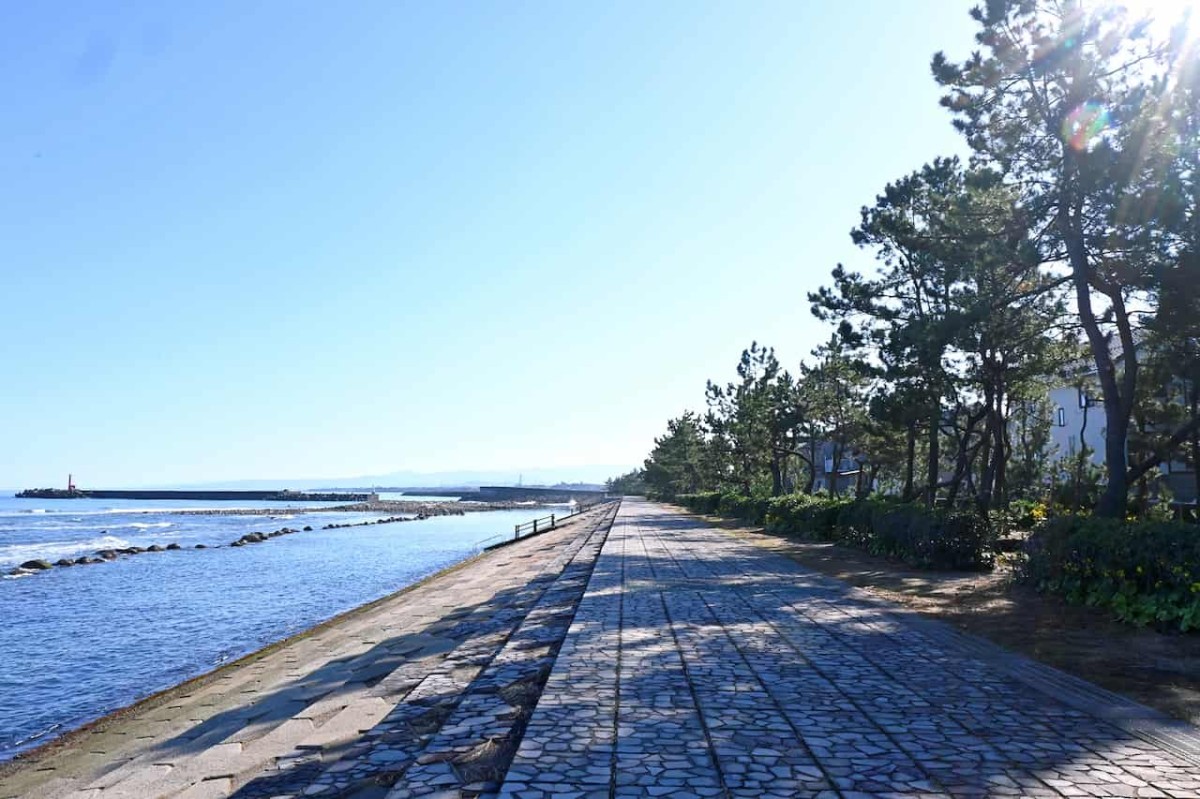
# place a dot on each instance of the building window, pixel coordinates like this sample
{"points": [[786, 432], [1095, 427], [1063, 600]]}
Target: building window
{"points": [[1083, 398], [1062, 417]]}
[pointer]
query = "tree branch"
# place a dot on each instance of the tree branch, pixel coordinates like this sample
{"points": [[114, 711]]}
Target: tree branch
{"points": [[1163, 450]]}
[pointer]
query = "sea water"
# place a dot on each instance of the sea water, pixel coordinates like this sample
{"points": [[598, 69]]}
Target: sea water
{"points": [[77, 642]]}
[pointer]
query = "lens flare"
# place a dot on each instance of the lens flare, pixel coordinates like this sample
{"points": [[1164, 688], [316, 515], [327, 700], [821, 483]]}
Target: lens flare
{"points": [[1084, 126]]}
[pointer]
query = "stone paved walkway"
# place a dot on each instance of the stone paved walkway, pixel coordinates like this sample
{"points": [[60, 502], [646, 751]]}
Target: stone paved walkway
{"points": [[698, 665], [660, 658]]}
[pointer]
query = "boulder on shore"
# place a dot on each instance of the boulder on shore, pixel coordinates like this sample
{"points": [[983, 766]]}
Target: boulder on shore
{"points": [[173, 547], [154, 548], [37, 565], [201, 546], [64, 562], [107, 554]]}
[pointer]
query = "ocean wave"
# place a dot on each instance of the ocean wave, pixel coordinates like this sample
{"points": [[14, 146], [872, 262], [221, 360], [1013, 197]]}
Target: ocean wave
{"points": [[81, 525], [53, 550]]}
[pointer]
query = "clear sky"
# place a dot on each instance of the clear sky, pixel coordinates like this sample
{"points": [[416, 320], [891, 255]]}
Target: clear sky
{"points": [[305, 239]]}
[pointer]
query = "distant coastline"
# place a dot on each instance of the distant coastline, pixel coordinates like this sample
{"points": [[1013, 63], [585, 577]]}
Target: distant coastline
{"points": [[203, 495]]}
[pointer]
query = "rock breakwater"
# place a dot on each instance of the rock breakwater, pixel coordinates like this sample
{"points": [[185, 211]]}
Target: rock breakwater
{"points": [[105, 555]]}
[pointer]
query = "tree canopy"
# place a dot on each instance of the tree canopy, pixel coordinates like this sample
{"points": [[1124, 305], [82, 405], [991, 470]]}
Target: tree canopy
{"points": [[1065, 251]]}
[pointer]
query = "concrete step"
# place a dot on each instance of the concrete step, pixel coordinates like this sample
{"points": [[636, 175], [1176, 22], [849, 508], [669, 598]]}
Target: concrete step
{"points": [[442, 702]]}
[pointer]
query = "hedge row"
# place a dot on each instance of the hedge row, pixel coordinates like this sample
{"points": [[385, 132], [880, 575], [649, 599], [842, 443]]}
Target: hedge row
{"points": [[1145, 572], [931, 539]]}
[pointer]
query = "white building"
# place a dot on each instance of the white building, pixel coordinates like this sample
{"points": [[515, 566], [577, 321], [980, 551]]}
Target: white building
{"points": [[1077, 418]]}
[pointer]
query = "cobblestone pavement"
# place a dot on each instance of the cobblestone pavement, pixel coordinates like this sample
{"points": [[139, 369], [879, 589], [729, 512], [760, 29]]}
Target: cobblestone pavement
{"points": [[417, 684], [698, 665], [661, 658]]}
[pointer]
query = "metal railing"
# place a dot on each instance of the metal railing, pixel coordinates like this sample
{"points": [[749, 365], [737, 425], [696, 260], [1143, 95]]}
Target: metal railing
{"points": [[543, 524], [549, 522]]}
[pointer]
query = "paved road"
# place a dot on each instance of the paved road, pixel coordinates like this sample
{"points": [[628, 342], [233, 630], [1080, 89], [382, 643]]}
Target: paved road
{"points": [[699, 665]]}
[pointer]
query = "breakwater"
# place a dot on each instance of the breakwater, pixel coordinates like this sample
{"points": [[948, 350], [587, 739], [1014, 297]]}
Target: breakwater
{"points": [[104, 555], [400, 511], [533, 494], [427, 509], [202, 496]]}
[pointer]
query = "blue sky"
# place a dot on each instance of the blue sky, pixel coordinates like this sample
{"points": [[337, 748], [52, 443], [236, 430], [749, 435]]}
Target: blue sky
{"points": [[306, 239]]}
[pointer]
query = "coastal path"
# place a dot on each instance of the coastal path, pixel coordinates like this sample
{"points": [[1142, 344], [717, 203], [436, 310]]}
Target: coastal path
{"points": [[701, 665], [635, 652], [428, 686]]}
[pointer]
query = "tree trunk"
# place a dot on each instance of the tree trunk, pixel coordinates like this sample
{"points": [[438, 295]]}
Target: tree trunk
{"points": [[812, 466], [910, 461], [1196, 448], [1116, 408], [987, 466], [1079, 462], [932, 473], [964, 459], [834, 488], [1003, 454]]}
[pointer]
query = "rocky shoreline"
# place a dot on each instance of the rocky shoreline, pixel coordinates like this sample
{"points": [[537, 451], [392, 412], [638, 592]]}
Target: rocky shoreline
{"points": [[106, 555], [413, 511]]}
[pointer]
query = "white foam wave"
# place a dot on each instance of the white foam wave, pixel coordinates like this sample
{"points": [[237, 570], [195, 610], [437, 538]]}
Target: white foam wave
{"points": [[80, 525], [53, 550]]}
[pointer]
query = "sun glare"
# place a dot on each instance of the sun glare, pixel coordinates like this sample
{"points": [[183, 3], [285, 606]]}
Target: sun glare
{"points": [[1163, 12]]}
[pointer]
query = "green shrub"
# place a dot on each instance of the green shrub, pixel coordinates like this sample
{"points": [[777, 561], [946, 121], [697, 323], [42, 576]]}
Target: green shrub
{"points": [[931, 539], [1146, 572], [732, 504], [815, 515], [739, 506], [703, 502], [1023, 514]]}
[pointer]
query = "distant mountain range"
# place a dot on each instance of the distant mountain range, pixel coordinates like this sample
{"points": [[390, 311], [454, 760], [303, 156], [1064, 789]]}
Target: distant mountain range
{"points": [[590, 475]]}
